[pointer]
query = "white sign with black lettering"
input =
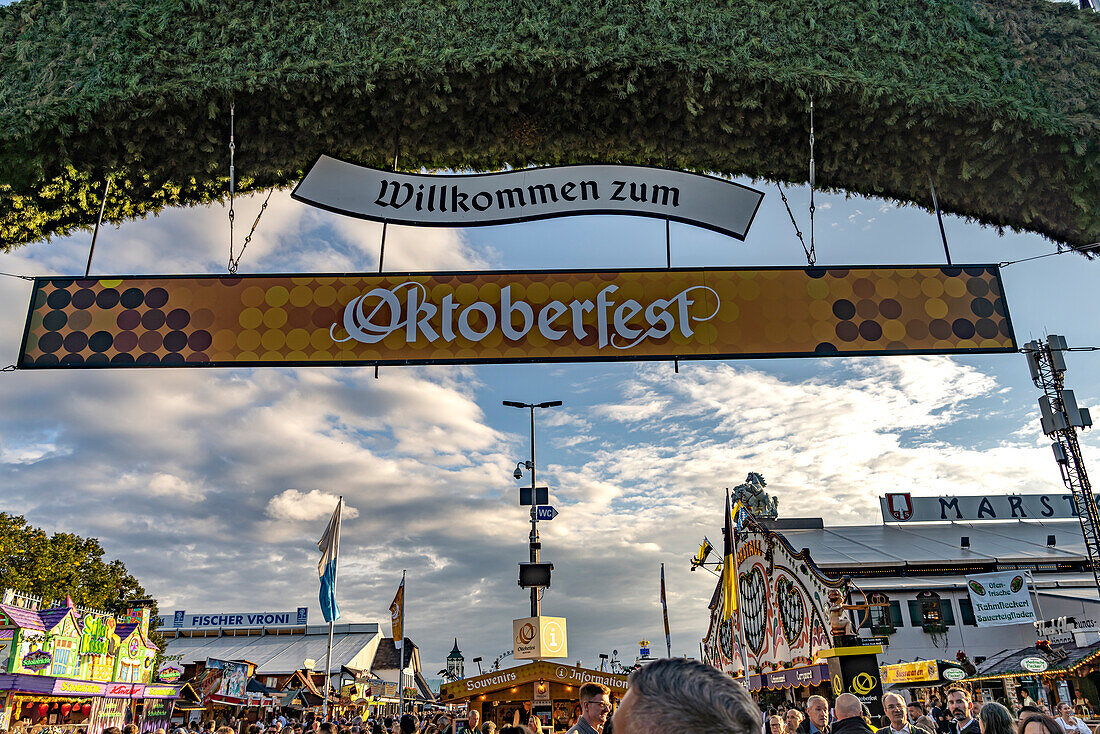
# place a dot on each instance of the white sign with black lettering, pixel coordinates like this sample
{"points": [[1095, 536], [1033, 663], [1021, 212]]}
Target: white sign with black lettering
{"points": [[528, 194], [1000, 598], [904, 507]]}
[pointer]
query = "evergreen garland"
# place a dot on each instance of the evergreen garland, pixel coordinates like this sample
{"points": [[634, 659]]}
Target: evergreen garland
{"points": [[997, 100]]}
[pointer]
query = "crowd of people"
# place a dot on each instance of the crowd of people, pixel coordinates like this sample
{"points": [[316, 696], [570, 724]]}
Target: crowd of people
{"points": [[678, 696], [957, 715]]}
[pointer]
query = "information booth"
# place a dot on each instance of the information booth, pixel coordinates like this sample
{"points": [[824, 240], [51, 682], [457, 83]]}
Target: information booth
{"points": [[546, 690]]}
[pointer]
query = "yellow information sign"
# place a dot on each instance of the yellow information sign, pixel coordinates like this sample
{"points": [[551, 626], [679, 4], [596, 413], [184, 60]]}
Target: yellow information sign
{"points": [[535, 638]]}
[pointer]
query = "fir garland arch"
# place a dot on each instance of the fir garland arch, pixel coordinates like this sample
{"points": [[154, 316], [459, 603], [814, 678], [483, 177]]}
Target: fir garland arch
{"points": [[997, 100]]}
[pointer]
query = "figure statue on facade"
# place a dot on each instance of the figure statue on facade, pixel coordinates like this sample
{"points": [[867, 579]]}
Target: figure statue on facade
{"points": [[840, 624], [752, 496]]}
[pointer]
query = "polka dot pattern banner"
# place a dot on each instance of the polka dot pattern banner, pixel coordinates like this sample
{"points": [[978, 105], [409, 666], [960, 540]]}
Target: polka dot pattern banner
{"points": [[542, 316]]}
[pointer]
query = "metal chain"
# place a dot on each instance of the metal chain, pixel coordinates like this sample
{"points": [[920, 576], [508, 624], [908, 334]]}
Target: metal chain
{"points": [[232, 183], [798, 233], [233, 264], [811, 256]]}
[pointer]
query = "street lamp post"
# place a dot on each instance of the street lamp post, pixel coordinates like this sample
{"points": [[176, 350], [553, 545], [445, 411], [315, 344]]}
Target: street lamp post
{"points": [[536, 546]]}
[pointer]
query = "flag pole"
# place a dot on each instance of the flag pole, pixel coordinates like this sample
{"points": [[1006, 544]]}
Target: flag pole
{"points": [[664, 611], [401, 653], [740, 618], [328, 655]]}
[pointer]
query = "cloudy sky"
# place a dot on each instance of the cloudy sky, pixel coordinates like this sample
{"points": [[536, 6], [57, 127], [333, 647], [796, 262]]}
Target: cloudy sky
{"points": [[213, 485]]}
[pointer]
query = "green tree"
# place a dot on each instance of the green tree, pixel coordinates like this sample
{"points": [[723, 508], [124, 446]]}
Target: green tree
{"points": [[64, 564]]}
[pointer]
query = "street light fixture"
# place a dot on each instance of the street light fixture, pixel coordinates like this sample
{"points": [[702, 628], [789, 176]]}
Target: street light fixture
{"points": [[535, 545]]}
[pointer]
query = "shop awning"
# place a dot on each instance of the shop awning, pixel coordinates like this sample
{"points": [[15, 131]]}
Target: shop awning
{"points": [[189, 699], [541, 670], [255, 686], [921, 674], [301, 698], [806, 675], [1060, 660]]}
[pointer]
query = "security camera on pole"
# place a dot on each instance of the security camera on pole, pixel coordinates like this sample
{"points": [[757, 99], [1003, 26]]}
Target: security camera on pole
{"points": [[536, 637]]}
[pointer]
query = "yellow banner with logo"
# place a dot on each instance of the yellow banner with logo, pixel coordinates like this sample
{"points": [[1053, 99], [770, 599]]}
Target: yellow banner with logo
{"points": [[916, 672], [544, 316]]}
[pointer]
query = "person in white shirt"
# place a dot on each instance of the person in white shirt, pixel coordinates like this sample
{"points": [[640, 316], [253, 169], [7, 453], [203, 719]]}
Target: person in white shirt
{"points": [[895, 708], [1070, 723]]}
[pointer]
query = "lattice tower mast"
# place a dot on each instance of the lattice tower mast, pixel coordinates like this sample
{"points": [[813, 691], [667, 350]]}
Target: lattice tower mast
{"points": [[1061, 417]]}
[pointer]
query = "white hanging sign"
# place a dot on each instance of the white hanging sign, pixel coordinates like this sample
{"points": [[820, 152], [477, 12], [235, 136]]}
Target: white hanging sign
{"points": [[1000, 598], [528, 194]]}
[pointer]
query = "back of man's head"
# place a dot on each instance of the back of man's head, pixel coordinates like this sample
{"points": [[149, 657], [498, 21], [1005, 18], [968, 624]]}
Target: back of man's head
{"points": [[409, 724], [847, 706], [687, 697]]}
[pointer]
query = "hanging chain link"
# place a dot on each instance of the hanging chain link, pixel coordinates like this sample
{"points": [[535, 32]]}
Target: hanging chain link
{"points": [[233, 264], [811, 256], [798, 232], [232, 181]]}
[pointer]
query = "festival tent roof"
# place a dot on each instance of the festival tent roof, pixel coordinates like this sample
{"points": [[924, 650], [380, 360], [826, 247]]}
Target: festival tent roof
{"points": [[1007, 662], [24, 618], [353, 646], [872, 546], [52, 617]]}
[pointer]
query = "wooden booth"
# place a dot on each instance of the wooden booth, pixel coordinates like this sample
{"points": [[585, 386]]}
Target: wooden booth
{"points": [[546, 690]]}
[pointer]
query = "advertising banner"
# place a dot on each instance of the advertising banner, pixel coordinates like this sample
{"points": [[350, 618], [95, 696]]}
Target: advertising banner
{"points": [[543, 316], [1000, 598], [534, 193], [180, 620], [904, 507], [224, 680], [66, 686], [916, 672]]}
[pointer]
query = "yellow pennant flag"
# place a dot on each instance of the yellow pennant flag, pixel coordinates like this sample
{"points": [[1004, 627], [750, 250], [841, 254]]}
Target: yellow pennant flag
{"points": [[729, 567]]}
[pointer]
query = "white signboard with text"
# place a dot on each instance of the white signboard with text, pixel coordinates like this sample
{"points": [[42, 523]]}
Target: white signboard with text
{"points": [[904, 507], [181, 620], [529, 194], [1000, 598]]}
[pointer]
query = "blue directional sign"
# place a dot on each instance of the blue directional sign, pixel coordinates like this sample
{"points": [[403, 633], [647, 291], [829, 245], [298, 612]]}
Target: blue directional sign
{"points": [[545, 512]]}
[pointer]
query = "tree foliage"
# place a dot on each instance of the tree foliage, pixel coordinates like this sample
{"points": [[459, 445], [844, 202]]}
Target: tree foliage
{"points": [[63, 564], [998, 101]]}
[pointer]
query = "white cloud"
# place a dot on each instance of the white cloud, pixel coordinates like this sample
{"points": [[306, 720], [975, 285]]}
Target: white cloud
{"points": [[297, 506]]}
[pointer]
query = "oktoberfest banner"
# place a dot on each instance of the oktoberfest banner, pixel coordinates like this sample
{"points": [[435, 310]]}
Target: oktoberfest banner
{"points": [[529, 194], [499, 316]]}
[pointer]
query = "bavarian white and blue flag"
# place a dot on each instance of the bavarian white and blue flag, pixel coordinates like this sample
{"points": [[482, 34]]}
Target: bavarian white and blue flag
{"points": [[329, 545]]}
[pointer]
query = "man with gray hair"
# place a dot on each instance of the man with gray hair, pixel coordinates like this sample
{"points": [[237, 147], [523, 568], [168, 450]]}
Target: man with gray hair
{"points": [[678, 696], [817, 716]]}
